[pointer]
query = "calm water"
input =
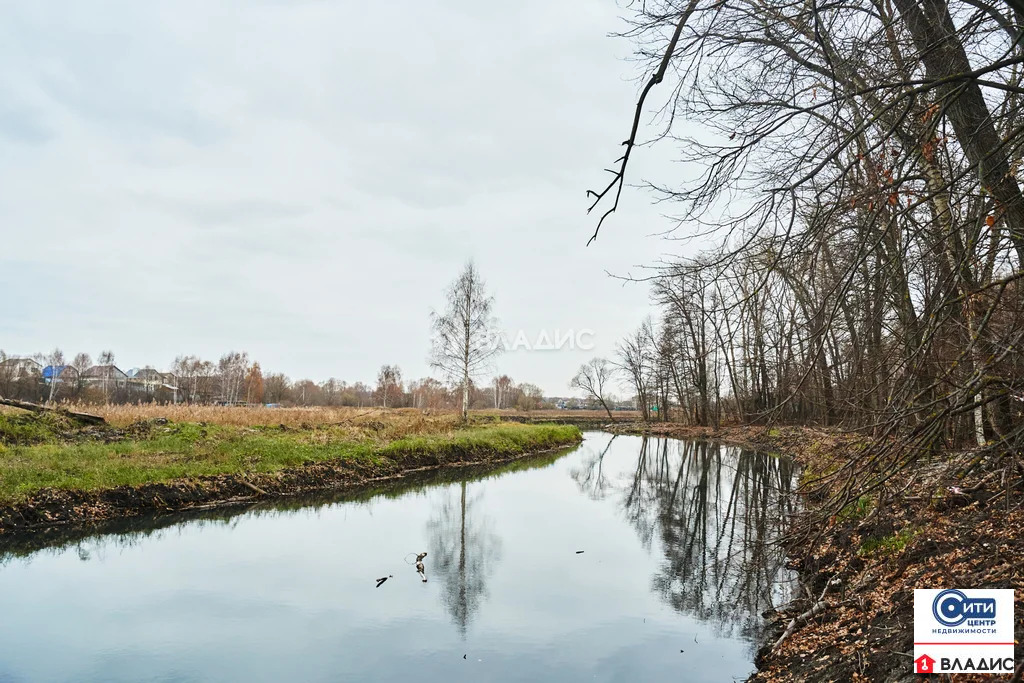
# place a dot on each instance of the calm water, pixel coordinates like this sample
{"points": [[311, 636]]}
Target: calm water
{"points": [[677, 566]]}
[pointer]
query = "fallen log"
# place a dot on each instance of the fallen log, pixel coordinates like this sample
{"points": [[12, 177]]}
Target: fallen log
{"points": [[817, 608], [255, 488], [87, 418]]}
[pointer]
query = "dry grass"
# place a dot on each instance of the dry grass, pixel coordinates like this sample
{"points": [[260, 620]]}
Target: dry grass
{"points": [[407, 420], [620, 415], [401, 421]]}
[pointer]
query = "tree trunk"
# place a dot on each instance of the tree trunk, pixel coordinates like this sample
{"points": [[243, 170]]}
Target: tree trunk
{"points": [[944, 57], [36, 408]]}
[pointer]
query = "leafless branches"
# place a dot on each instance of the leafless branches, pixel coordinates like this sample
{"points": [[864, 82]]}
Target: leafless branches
{"points": [[618, 176], [858, 167]]}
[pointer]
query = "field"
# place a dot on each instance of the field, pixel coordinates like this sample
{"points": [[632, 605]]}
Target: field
{"points": [[154, 444], [396, 419]]}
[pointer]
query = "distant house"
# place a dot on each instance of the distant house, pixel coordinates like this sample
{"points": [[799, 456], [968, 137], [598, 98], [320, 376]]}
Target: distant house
{"points": [[152, 379], [20, 367], [109, 375], [60, 373], [21, 378], [150, 375]]}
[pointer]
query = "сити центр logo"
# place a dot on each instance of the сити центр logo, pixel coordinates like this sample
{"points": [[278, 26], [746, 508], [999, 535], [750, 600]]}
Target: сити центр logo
{"points": [[952, 608], [963, 631]]}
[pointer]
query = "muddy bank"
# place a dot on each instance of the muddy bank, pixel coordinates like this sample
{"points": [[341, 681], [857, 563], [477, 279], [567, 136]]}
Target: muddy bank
{"points": [[55, 507]]}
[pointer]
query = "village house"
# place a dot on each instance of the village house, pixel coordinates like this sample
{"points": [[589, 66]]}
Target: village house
{"points": [[65, 374], [150, 380], [16, 368], [107, 375]]}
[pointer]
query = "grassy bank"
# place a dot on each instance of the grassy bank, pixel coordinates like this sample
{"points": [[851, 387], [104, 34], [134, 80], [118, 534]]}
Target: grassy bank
{"points": [[41, 456]]}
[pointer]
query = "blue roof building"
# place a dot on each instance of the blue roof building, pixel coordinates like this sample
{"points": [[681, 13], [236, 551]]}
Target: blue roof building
{"points": [[59, 372]]}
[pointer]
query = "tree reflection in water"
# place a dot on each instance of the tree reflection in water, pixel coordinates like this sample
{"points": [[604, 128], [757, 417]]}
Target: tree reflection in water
{"points": [[463, 549], [716, 513]]}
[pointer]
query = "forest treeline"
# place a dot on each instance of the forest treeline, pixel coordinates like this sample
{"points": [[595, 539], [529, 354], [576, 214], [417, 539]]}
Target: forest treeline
{"points": [[236, 379], [858, 166]]}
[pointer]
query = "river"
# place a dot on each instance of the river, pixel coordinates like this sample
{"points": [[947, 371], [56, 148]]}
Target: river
{"points": [[677, 564]]}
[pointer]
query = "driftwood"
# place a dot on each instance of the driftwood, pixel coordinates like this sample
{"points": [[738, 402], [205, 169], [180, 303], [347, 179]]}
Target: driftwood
{"points": [[255, 488], [817, 608], [38, 408]]}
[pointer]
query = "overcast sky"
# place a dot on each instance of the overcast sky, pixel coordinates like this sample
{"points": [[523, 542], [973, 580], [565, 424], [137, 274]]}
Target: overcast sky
{"points": [[302, 180]]}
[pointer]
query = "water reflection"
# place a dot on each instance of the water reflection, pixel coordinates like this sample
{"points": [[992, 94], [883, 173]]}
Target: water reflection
{"points": [[678, 540], [464, 549], [717, 511], [93, 540]]}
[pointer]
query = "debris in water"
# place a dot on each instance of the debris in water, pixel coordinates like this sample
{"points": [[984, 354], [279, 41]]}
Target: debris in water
{"points": [[382, 579], [579, 552], [463, 656]]}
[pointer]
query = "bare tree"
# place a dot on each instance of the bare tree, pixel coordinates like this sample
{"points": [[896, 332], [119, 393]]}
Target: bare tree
{"points": [[233, 367], [428, 394], [463, 334], [254, 384], [592, 378], [637, 361], [55, 360], [389, 383], [106, 361], [860, 165], [503, 388], [276, 388], [530, 397]]}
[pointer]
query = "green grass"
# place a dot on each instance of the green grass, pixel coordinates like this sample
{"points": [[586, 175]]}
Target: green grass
{"points": [[26, 428], [35, 458], [857, 510], [888, 545]]}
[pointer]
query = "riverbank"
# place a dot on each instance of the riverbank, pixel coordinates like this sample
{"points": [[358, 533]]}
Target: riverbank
{"points": [[53, 471], [948, 523], [933, 526]]}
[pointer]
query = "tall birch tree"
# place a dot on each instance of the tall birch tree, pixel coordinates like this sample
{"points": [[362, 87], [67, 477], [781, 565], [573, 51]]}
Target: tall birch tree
{"points": [[463, 334]]}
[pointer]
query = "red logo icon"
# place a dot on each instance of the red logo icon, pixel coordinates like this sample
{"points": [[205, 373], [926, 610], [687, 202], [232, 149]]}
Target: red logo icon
{"points": [[925, 664]]}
